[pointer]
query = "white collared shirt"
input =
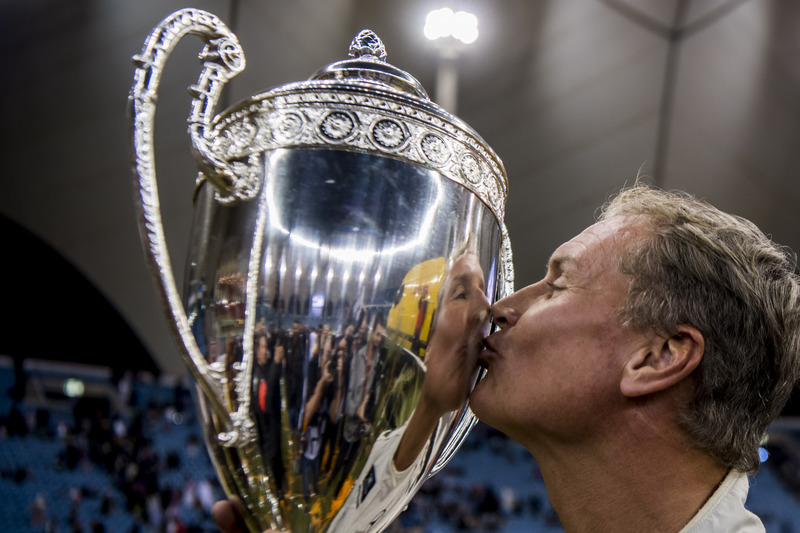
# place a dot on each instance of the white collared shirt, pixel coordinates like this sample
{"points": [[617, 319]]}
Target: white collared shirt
{"points": [[725, 512]]}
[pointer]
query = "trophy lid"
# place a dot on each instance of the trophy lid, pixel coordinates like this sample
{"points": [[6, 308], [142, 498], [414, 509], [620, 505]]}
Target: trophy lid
{"points": [[361, 104], [368, 62]]}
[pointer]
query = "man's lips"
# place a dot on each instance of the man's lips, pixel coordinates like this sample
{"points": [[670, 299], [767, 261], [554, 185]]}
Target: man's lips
{"points": [[487, 354]]}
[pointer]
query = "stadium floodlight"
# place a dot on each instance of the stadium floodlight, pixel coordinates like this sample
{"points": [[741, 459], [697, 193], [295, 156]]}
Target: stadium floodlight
{"points": [[445, 22]]}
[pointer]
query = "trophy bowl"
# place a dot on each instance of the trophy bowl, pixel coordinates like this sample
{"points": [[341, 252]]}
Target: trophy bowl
{"points": [[334, 220]]}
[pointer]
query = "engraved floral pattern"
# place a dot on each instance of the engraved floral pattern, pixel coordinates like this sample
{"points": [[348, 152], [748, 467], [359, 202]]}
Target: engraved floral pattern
{"points": [[471, 169], [337, 125], [435, 149], [388, 133], [287, 126], [304, 116]]}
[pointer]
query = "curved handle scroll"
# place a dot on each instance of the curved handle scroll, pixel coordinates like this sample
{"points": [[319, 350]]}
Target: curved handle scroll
{"points": [[223, 58]]}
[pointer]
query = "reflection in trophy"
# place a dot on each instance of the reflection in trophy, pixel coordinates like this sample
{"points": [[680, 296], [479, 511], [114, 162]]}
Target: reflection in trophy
{"points": [[396, 465], [347, 243]]}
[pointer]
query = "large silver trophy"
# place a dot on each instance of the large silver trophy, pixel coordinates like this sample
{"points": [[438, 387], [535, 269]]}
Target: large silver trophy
{"points": [[335, 220]]}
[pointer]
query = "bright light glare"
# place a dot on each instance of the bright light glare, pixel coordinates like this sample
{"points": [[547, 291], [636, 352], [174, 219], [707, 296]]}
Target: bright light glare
{"points": [[73, 388], [446, 23], [349, 254]]}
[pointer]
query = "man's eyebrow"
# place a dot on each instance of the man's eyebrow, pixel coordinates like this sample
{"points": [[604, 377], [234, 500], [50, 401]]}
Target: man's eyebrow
{"points": [[465, 279], [557, 262]]}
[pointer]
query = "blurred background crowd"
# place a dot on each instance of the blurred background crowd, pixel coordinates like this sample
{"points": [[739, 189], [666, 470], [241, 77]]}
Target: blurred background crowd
{"points": [[84, 451]]}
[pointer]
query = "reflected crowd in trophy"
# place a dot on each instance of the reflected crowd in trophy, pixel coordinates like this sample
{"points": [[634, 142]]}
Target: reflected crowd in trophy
{"points": [[321, 394], [347, 399], [327, 376]]}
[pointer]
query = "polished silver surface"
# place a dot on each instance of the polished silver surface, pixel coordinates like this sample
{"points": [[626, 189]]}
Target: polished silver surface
{"points": [[339, 225]]}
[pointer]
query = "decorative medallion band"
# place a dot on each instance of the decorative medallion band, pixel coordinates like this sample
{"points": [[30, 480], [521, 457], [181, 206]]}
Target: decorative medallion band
{"points": [[349, 120]]}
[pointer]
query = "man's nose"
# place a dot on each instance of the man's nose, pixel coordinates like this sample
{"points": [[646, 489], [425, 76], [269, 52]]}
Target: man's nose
{"points": [[503, 314], [506, 312], [483, 309]]}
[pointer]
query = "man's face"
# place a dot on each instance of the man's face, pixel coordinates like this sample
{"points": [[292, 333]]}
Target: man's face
{"points": [[553, 369], [461, 322], [378, 332], [461, 319], [261, 351]]}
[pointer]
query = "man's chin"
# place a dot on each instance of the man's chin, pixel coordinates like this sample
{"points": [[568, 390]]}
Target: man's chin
{"points": [[478, 398]]}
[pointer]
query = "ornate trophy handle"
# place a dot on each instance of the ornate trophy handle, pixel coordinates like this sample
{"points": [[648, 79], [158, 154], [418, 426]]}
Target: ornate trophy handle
{"points": [[506, 263], [222, 59]]}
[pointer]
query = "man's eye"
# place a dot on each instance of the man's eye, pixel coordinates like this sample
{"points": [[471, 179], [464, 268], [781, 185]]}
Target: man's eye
{"points": [[552, 288], [459, 293]]}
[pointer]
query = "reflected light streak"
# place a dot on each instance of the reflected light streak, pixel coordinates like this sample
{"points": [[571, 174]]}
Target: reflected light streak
{"points": [[350, 254]]}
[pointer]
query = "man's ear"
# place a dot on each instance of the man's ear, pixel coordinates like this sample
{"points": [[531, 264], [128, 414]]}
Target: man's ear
{"points": [[667, 361]]}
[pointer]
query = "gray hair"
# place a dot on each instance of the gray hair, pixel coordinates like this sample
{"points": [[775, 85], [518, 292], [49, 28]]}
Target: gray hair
{"points": [[719, 273]]}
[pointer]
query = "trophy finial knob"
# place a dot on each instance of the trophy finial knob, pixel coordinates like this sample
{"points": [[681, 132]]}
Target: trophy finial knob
{"points": [[367, 43], [367, 62]]}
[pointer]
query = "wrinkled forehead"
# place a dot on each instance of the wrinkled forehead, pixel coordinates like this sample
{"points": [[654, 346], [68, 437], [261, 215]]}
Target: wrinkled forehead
{"points": [[466, 268], [466, 263], [602, 245]]}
